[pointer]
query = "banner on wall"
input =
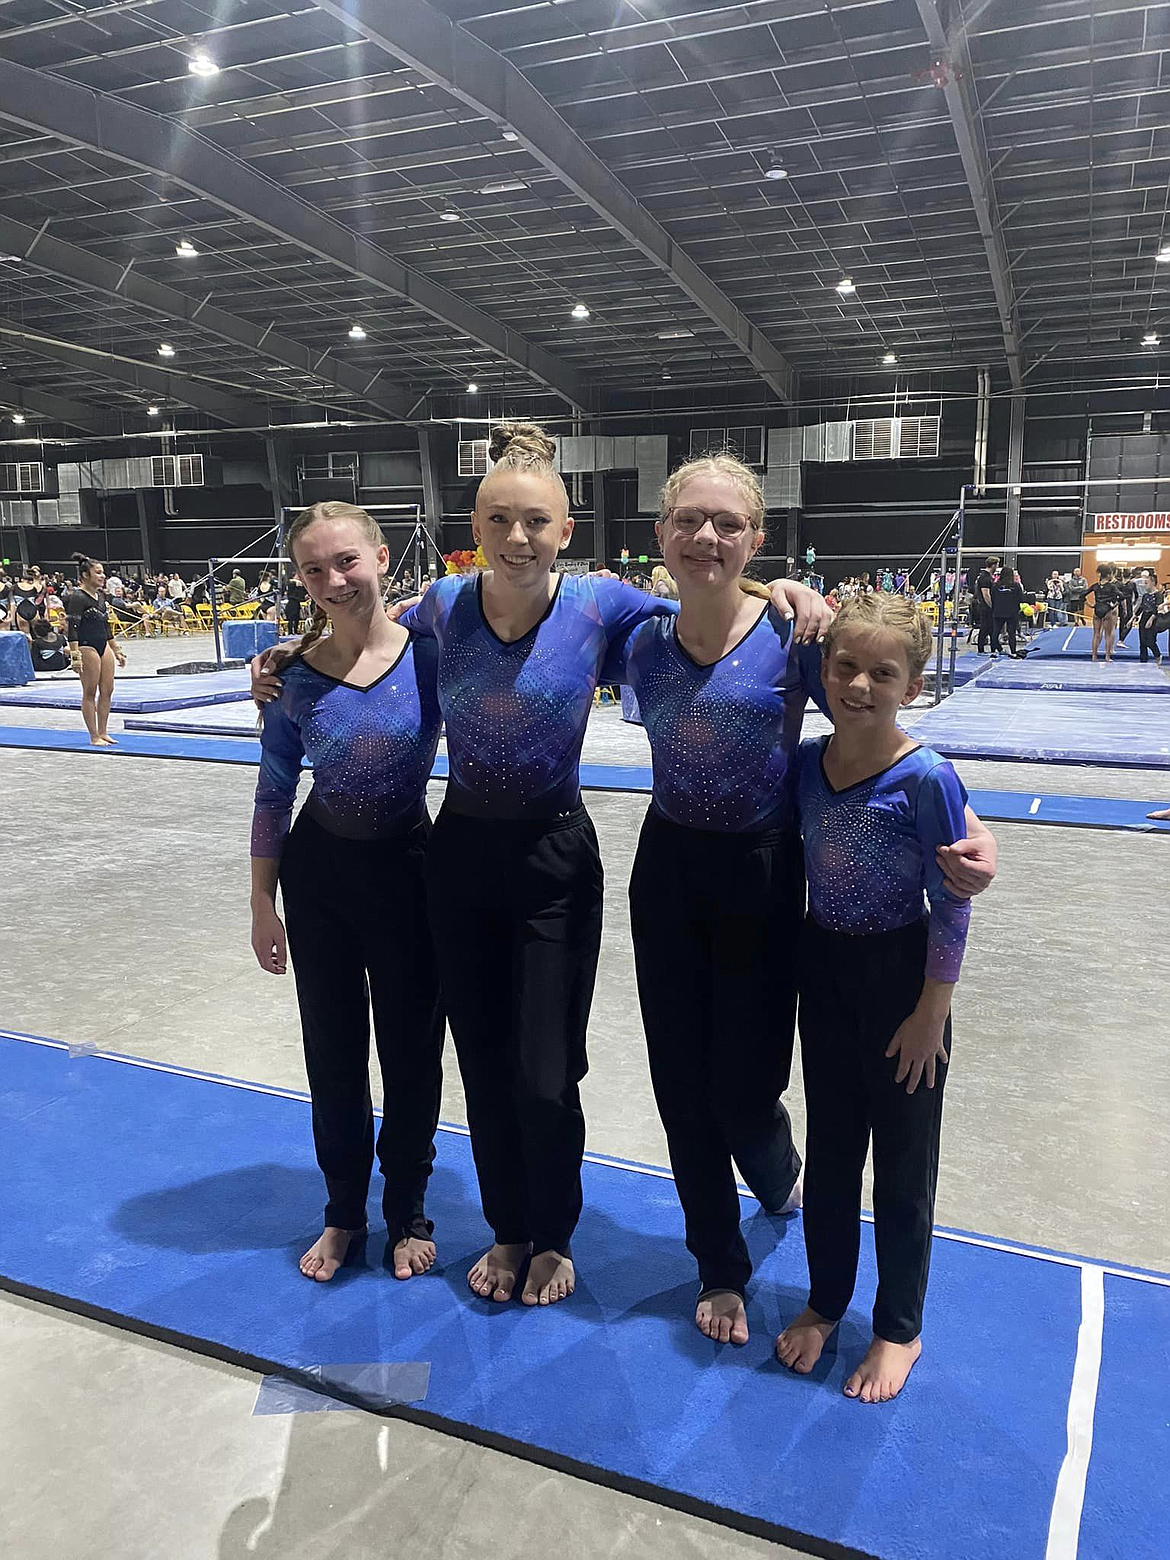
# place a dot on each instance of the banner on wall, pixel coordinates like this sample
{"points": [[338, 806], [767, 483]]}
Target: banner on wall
{"points": [[1151, 520]]}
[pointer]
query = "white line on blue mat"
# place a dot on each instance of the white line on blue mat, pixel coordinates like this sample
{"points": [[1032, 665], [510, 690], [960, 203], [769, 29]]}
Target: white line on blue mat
{"points": [[1035, 807], [1064, 1527], [1068, 641]]}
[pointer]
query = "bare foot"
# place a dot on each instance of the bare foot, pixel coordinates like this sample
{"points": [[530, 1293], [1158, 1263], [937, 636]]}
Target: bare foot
{"points": [[494, 1276], [550, 1278], [326, 1255], [720, 1316], [799, 1346], [1163, 815], [413, 1255], [882, 1373], [100, 742]]}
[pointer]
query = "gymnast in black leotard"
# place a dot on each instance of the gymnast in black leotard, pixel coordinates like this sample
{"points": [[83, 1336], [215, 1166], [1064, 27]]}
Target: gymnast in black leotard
{"points": [[1106, 594], [93, 648]]}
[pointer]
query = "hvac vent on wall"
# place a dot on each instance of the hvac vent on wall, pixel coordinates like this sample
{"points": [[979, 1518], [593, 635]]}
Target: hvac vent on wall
{"points": [[25, 476], [895, 438], [473, 457], [746, 443], [168, 471]]}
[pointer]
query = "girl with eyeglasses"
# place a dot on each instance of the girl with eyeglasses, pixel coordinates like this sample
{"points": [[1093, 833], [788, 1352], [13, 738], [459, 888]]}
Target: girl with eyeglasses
{"points": [[717, 888]]}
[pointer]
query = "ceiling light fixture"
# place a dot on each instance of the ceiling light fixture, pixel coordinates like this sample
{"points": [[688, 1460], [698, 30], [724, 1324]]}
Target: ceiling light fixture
{"points": [[775, 168], [1151, 339], [472, 388], [10, 259], [666, 375], [503, 187], [202, 64], [152, 411], [846, 287], [185, 249], [890, 357], [356, 333], [18, 417], [1162, 257], [509, 135], [675, 333], [580, 312], [166, 350], [450, 216]]}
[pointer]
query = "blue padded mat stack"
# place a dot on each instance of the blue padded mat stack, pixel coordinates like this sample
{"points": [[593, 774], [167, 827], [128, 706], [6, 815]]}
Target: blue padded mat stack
{"points": [[139, 695], [1054, 674], [1130, 730], [1076, 640], [247, 639], [196, 1235], [16, 667]]}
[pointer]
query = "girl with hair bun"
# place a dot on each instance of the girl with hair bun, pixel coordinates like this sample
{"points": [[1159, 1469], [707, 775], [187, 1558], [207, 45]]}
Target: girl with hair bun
{"points": [[361, 704], [717, 888], [877, 977], [92, 648]]}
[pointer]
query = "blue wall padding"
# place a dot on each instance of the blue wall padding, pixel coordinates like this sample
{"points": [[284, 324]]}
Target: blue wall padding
{"points": [[1075, 641], [1067, 675], [140, 695], [246, 639], [995, 806], [1130, 730], [1127, 1495], [16, 667], [191, 1216]]}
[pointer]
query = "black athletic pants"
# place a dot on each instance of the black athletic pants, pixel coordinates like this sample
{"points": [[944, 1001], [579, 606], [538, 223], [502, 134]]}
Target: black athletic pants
{"points": [[1148, 640], [855, 991], [998, 625], [716, 926], [987, 628], [355, 914], [516, 913]]}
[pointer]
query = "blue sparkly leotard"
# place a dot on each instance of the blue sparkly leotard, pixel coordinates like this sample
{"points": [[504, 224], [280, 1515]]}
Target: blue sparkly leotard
{"points": [[371, 749], [722, 736], [516, 712], [869, 850]]}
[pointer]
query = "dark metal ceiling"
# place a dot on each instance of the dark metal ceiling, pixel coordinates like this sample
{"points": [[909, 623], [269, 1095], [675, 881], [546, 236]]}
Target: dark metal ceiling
{"points": [[992, 175]]}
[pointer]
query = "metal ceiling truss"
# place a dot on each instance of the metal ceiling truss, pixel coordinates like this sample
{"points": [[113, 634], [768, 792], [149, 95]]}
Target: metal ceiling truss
{"points": [[58, 409], [59, 107], [486, 81]]}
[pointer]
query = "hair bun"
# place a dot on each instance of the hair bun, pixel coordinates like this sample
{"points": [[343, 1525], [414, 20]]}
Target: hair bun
{"points": [[522, 443]]}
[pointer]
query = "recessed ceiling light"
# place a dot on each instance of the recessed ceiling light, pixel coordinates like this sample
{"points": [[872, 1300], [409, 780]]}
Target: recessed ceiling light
{"points": [[356, 333], [510, 135], [890, 357], [503, 187], [152, 411], [1151, 339], [846, 287], [166, 350], [202, 65], [675, 333], [580, 312], [450, 216], [472, 388], [18, 417], [185, 249]]}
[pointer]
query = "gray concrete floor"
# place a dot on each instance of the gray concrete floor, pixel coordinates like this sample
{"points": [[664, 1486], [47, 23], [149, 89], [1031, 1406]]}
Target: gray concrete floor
{"points": [[1057, 1133]]}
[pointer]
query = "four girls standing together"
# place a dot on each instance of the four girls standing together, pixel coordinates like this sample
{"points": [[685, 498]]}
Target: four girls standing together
{"points": [[511, 874]]}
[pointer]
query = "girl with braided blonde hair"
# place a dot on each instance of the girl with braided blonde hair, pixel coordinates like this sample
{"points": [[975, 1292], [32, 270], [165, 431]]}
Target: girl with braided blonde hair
{"points": [[360, 703]]}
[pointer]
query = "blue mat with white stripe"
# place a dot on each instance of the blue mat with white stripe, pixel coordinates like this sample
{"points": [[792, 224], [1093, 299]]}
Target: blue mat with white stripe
{"points": [[1094, 812], [1075, 642], [1057, 675], [194, 1236], [1130, 730], [143, 694]]}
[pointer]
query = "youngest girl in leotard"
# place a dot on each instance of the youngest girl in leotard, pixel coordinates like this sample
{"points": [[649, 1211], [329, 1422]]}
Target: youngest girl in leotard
{"points": [[875, 987]]}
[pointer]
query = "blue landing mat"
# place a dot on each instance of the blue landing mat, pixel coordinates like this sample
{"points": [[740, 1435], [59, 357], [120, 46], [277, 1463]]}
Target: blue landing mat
{"points": [[1066, 675], [1075, 641], [193, 1235], [1127, 730], [146, 694], [994, 806]]}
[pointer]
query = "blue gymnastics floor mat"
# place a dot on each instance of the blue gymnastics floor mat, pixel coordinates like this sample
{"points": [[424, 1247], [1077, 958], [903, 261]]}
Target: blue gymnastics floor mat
{"points": [[1075, 641], [1128, 730], [1060, 675], [142, 696], [1095, 812], [193, 1235]]}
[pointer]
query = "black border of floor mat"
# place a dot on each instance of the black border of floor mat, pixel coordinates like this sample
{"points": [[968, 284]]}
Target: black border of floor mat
{"points": [[590, 1473]]}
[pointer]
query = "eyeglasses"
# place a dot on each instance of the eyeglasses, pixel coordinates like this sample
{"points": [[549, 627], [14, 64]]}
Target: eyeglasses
{"points": [[727, 522]]}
